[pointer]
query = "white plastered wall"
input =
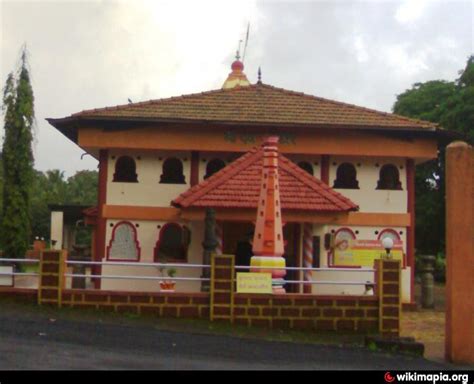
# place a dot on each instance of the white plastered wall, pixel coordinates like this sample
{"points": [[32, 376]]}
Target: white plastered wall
{"points": [[206, 157], [367, 196], [147, 235], [315, 162], [56, 232], [362, 233], [148, 191]]}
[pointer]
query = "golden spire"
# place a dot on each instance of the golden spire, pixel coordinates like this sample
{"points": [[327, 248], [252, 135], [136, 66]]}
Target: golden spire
{"points": [[237, 77]]}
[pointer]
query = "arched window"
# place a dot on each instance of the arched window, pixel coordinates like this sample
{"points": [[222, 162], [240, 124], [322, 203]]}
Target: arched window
{"points": [[173, 243], [213, 166], [306, 166], [346, 177], [124, 244], [125, 170], [172, 172], [390, 233], [389, 178]]}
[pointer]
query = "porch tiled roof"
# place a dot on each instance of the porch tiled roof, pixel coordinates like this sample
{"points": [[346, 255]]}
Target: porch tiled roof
{"points": [[91, 211], [255, 104], [238, 186]]}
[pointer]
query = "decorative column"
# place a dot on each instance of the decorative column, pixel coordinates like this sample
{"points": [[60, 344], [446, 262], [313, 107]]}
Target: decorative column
{"points": [[219, 235], [308, 255], [427, 281], [268, 245], [209, 245]]}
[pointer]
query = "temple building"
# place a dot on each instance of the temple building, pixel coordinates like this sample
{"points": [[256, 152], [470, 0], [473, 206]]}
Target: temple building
{"points": [[346, 178]]}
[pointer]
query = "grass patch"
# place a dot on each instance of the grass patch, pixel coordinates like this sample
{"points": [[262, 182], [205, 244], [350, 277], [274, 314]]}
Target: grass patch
{"points": [[30, 268]]}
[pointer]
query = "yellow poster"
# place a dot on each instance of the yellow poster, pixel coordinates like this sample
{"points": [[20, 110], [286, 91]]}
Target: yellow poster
{"points": [[355, 253], [254, 282]]}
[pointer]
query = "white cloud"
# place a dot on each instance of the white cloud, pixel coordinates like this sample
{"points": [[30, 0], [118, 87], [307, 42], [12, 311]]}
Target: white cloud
{"points": [[410, 11], [90, 54], [403, 60]]}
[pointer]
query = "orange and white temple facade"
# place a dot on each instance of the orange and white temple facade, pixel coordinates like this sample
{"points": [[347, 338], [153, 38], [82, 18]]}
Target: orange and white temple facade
{"points": [[346, 178]]}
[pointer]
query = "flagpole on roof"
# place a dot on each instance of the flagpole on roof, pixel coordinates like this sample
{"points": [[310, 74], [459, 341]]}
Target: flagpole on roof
{"points": [[246, 41]]}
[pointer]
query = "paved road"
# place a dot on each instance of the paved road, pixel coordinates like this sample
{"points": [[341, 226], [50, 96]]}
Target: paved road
{"points": [[33, 341]]}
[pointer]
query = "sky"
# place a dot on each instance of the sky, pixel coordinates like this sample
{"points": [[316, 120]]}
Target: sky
{"points": [[91, 53]]}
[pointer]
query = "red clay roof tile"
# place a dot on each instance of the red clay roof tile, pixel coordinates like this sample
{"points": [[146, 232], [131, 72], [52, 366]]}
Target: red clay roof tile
{"points": [[256, 104], [238, 186]]}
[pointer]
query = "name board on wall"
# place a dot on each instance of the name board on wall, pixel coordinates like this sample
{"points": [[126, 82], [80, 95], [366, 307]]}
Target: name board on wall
{"points": [[251, 138], [364, 252], [249, 282]]}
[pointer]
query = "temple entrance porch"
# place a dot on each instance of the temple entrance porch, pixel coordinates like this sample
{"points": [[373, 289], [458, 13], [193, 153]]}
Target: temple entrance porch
{"points": [[236, 239]]}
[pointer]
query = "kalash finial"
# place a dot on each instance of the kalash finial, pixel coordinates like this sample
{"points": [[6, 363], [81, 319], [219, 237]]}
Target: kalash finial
{"points": [[259, 76], [237, 77]]}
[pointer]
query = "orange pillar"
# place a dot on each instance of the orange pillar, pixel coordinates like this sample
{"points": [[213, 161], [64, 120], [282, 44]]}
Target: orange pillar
{"points": [[459, 342], [268, 247], [411, 229], [101, 221]]}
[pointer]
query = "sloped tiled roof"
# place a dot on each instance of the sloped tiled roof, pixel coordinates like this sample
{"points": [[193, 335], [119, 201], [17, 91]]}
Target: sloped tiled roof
{"points": [[91, 211], [238, 186], [254, 104]]}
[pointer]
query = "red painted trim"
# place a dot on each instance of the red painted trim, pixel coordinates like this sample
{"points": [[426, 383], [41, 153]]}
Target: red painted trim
{"points": [[346, 229], [160, 237], [194, 168], [331, 255], [101, 221], [410, 171], [135, 237], [388, 230], [325, 169]]}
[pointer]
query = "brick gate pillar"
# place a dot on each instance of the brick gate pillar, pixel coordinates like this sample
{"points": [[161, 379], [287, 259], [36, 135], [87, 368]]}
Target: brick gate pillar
{"points": [[51, 281], [459, 342], [222, 287], [388, 279]]}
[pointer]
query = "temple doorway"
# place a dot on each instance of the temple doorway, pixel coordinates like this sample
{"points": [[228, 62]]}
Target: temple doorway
{"points": [[291, 234], [235, 241]]}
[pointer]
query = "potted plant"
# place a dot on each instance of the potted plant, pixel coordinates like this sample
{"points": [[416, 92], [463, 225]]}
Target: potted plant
{"points": [[167, 285]]}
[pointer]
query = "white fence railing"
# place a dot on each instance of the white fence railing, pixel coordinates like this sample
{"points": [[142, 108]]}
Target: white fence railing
{"points": [[203, 278], [321, 269], [137, 277], [7, 277]]}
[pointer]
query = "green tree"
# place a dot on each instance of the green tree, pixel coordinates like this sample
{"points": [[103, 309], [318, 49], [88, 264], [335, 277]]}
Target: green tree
{"points": [[82, 188], [50, 187], [451, 104], [18, 103], [1, 190], [459, 112], [425, 101]]}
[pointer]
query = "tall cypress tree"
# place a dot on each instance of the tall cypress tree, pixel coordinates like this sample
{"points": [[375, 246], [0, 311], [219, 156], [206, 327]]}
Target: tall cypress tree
{"points": [[17, 156]]}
